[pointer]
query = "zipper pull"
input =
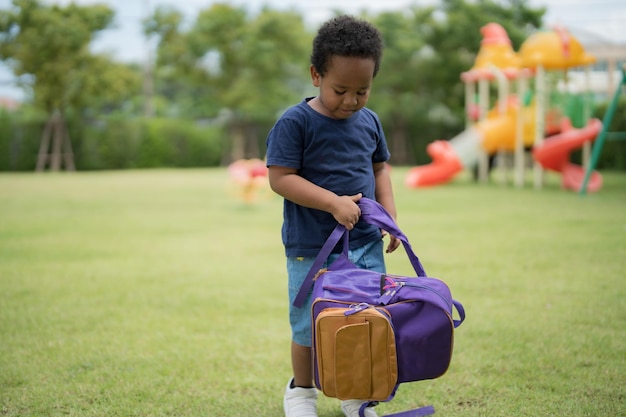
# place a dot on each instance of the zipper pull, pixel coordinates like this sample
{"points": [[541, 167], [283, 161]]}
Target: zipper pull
{"points": [[390, 291], [356, 308]]}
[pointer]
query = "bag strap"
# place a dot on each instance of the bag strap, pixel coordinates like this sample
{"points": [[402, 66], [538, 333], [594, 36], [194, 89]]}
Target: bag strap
{"points": [[461, 311], [323, 254], [417, 412], [373, 213]]}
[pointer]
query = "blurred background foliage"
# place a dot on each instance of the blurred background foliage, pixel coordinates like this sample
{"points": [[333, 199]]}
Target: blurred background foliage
{"points": [[214, 88]]}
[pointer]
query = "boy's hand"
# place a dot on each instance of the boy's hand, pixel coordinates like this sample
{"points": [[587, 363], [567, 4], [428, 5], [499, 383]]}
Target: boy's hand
{"points": [[394, 242], [346, 210]]}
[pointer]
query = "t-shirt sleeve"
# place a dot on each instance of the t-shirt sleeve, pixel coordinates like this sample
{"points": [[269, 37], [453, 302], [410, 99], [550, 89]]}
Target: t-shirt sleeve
{"points": [[381, 154], [284, 144]]}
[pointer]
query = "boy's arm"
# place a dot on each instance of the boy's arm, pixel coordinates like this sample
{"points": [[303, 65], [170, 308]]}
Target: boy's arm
{"points": [[287, 183], [384, 195]]}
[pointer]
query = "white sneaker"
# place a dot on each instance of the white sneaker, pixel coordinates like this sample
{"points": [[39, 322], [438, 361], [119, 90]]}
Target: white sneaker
{"points": [[351, 409], [300, 402]]}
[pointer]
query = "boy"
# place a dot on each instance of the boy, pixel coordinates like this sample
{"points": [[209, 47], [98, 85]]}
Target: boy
{"points": [[323, 155]]}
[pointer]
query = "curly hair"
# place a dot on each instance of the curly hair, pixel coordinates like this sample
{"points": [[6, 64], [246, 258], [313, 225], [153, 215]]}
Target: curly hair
{"points": [[346, 36]]}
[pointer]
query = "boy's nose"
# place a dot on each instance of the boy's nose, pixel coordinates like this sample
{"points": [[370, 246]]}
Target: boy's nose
{"points": [[351, 99]]}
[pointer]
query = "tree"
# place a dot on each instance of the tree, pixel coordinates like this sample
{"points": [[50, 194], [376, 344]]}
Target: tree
{"points": [[255, 67], [179, 78], [50, 46], [246, 67], [399, 96]]}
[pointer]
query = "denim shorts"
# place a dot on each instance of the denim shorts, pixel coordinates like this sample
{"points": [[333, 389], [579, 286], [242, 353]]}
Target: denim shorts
{"points": [[369, 256]]}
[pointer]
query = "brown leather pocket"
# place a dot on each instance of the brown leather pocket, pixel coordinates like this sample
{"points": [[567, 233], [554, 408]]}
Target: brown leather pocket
{"points": [[353, 361], [355, 354]]}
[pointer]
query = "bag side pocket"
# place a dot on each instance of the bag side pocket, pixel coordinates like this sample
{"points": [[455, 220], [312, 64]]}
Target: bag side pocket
{"points": [[353, 362], [384, 357]]}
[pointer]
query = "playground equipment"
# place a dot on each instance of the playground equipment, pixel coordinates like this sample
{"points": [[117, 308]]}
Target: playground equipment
{"points": [[516, 122], [553, 154], [597, 146]]}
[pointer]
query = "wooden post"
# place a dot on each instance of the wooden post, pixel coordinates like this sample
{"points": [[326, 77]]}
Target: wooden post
{"points": [[57, 144], [503, 95], [540, 88], [483, 99], [522, 84], [470, 92], [42, 156]]}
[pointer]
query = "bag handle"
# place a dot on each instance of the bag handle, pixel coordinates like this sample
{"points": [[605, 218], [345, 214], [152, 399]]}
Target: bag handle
{"points": [[461, 311], [323, 254], [373, 213]]}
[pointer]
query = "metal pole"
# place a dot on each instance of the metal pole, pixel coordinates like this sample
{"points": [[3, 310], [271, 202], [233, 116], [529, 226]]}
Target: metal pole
{"points": [[599, 143]]}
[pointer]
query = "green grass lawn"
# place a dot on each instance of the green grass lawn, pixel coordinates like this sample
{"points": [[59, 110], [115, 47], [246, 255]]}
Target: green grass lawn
{"points": [[160, 293]]}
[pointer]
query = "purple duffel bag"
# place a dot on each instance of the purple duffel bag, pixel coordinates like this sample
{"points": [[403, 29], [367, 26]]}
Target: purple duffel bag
{"points": [[420, 307]]}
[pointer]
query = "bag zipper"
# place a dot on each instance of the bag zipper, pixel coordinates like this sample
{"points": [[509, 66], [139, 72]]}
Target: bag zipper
{"points": [[406, 284], [354, 307], [343, 290]]}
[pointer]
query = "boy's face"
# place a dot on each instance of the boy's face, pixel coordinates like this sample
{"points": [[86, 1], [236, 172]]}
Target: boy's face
{"points": [[345, 88]]}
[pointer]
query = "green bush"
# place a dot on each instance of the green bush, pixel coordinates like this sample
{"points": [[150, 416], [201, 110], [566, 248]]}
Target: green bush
{"points": [[20, 136], [114, 142], [118, 143], [107, 144]]}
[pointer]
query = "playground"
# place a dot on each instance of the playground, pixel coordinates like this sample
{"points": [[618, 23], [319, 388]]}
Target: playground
{"points": [[519, 113], [158, 293], [525, 115], [163, 292]]}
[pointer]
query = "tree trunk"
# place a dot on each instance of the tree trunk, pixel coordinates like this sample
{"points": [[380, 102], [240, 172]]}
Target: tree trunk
{"points": [[252, 142], [62, 154], [236, 150], [398, 143]]}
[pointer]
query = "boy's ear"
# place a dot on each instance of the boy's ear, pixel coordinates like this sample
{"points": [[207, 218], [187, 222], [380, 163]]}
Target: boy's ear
{"points": [[315, 76]]}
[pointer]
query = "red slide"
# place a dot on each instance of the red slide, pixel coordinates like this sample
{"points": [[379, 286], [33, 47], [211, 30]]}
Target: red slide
{"points": [[445, 166], [553, 154]]}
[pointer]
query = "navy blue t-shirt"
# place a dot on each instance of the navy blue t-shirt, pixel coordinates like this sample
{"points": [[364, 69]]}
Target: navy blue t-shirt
{"points": [[336, 154]]}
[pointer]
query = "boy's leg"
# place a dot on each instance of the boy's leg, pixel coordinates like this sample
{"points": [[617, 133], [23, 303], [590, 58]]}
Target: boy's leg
{"points": [[300, 402], [302, 365], [300, 398], [300, 394], [300, 321]]}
